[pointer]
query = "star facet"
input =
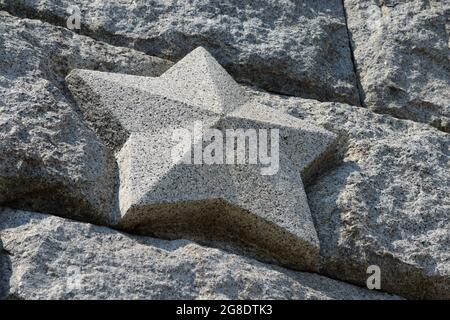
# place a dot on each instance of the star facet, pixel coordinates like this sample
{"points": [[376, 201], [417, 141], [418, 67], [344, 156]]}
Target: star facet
{"points": [[266, 215]]}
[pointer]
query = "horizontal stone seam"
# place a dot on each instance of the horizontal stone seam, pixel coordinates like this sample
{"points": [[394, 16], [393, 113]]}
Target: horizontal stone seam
{"points": [[46, 17], [274, 266], [32, 14], [102, 35]]}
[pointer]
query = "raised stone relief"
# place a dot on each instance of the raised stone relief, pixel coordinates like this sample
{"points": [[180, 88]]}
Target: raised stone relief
{"points": [[285, 150], [261, 206]]}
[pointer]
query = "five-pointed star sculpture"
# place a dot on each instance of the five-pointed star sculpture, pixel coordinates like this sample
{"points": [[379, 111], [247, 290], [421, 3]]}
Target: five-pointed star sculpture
{"points": [[268, 215]]}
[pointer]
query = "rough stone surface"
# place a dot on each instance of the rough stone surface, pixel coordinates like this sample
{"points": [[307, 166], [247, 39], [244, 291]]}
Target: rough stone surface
{"points": [[402, 54], [386, 203], [218, 201], [46, 254], [49, 160], [294, 47]]}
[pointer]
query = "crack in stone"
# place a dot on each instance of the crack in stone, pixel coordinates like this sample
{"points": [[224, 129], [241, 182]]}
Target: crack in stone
{"points": [[352, 58]]}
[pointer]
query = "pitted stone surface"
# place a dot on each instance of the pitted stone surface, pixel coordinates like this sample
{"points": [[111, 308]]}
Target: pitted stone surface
{"points": [[386, 203], [47, 257], [266, 214], [49, 160], [401, 50], [296, 47]]}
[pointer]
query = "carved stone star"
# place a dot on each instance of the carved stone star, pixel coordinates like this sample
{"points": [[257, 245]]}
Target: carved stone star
{"points": [[266, 215]]}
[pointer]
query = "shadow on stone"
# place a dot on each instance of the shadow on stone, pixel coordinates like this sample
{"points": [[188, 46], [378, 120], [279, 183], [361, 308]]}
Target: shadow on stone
{"points": [[217, 223], [5, 272]]}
